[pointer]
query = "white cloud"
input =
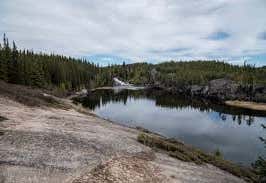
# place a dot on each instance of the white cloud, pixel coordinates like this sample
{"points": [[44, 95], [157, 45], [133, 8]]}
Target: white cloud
{"points": [[134, 29]]}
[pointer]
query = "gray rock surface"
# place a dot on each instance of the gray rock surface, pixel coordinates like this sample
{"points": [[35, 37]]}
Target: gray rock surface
{"points": [[50, 145], [223, 88]]}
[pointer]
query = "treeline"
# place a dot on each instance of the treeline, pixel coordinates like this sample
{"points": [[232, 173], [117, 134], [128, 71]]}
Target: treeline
{"points": [[200, 72], [185, 73], [42, 70]]}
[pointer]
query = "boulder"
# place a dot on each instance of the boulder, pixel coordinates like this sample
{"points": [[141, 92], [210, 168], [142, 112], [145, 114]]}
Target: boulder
{"points": [[196, 90], [223, 89], [154, 73]]}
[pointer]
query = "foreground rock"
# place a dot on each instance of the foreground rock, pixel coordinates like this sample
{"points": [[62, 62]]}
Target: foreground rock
{"points": [[41, 144]]}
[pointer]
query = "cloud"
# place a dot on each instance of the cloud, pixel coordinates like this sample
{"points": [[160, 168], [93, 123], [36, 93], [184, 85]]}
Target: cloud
{"points": [[139, 30], [262, 35], [168, 51]]}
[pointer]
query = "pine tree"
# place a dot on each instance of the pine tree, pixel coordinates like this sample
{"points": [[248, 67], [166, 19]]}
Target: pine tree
{"points": [[4, 60], [37, 75], [13, 74]]}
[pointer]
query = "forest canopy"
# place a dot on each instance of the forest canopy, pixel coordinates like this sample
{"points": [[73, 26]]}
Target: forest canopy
{"points": [[48, 70], [42, 70], [186, 73]]}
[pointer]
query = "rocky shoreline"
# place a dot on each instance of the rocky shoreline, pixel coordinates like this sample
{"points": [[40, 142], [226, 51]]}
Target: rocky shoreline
{"points": [[220, 90]]}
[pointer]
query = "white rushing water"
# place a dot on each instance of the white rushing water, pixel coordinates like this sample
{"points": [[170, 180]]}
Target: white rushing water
{"points": [[121, 83]]}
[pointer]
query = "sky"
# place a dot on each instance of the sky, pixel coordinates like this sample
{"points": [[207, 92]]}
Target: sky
{"points": [[113, 31]]}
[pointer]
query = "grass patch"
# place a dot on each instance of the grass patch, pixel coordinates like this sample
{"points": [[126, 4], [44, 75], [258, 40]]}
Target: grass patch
{"points": [[28, 96], [190, 154]]}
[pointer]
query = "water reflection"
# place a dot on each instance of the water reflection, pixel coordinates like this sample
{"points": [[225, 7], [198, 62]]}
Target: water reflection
{"points": [[100, 98], [235, 132]]}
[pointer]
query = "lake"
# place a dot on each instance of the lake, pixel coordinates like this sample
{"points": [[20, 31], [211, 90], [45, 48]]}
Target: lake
{"points": [[234, 132]]}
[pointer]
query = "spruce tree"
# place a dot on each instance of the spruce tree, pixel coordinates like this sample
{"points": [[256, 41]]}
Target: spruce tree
{"points": [[4, 60], [13, 74]]}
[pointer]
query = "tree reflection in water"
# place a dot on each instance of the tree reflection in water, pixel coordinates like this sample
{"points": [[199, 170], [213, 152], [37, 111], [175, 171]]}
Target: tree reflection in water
{"points": [[163, 99]]}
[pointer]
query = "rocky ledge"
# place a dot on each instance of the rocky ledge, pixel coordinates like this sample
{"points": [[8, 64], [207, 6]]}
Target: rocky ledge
{"points": [[221, 90]]}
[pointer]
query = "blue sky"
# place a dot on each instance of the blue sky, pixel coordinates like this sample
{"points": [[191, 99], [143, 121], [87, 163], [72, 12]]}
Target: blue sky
{"points": [[219, 35], [114, 31]]}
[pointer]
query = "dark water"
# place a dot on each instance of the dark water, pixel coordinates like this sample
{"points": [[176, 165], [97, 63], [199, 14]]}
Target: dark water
{"points": [[234, 132]]}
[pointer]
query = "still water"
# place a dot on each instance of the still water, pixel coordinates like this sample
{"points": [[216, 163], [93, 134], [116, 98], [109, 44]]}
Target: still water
{"points": [[234, 132]]}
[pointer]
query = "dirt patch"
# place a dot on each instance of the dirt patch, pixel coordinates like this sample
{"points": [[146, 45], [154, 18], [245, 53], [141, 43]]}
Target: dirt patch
{"points": [[131, 169], [247, 105]]}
